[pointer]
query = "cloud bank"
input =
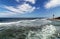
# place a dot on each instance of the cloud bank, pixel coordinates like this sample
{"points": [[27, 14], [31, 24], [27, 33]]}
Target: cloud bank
{"points": [[52, 3], [23, 8]]}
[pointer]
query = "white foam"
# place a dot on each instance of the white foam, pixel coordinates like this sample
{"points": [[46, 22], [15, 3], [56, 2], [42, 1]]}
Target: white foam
{"points": [[45, 33], [36, 22]]}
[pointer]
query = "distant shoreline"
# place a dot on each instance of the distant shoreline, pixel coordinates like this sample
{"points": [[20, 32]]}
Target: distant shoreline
{"points": [[57, 18]]}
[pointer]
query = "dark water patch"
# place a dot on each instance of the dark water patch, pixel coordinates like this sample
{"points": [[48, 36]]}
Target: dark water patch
{"points": [[14, 32]]}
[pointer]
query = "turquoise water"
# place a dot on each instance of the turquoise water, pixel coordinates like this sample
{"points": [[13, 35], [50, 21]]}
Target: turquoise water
{"points": [[30, 29]]}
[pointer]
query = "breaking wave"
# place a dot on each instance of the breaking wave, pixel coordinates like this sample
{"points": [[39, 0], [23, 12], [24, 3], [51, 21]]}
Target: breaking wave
{"points": [[46, 33], [28, 29], [36, 22]]}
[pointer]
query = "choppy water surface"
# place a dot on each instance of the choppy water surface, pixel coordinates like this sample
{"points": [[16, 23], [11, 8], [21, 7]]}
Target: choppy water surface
{"points": [[30, 29]]}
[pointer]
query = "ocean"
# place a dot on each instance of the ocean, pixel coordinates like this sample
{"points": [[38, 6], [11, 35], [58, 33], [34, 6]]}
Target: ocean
{"points": [[29, 28]]}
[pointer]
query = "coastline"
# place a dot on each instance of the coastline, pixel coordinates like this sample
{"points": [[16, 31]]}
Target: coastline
{"points": [[54, 19]]}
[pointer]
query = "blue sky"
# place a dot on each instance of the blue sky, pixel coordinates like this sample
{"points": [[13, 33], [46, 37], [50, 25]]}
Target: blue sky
{"points": [[29, 8]]}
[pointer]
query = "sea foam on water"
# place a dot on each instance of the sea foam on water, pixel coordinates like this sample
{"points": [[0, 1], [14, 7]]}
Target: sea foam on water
{"points": [[35, 22], [46, 32]]}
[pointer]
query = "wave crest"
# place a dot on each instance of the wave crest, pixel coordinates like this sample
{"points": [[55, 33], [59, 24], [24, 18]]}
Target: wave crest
{"points": [[36, 22]]}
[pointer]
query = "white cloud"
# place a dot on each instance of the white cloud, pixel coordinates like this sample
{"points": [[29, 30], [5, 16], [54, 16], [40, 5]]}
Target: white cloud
{"points": [[38, 8], [17, 0], [52, 3], [6, 14], [12, 9], [32, 1], [19, 9], [24, 8]]}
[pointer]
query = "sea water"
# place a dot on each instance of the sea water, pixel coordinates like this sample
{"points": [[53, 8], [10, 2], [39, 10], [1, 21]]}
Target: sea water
{"points": [[30, 29]]}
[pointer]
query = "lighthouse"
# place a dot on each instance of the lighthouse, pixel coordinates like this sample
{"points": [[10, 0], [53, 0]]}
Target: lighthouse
{"points": [[53, 16]]}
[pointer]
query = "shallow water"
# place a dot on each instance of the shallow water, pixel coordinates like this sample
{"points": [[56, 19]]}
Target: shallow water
{"points": [[30, 29]]}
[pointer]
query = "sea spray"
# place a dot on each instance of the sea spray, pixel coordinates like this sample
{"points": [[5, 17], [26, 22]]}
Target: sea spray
{"points": [[36, 22], [46, 32], [19, 29]]}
